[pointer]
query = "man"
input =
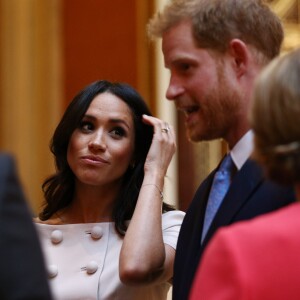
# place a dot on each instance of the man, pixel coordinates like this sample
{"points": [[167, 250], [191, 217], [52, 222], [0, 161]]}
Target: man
{"points": [[214, 50], [233, 265], [23, 274]]}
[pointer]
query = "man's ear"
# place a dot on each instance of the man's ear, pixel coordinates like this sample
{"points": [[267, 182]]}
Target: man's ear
{"points": [[240, 53]]}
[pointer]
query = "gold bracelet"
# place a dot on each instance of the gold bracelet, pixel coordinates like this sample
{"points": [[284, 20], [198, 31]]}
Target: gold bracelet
{"points": [[160, 192]]}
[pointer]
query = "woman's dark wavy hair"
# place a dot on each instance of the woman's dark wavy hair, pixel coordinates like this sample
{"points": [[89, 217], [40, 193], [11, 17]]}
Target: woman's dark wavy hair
{"points": [[59, 188]]}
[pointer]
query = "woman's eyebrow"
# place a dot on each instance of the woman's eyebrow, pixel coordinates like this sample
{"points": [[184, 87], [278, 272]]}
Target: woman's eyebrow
{"points": [[112, 120], [116, 120]]}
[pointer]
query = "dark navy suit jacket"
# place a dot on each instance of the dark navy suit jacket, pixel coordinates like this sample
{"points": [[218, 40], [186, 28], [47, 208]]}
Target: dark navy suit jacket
{"points": [[22, 272], [249, 195]]}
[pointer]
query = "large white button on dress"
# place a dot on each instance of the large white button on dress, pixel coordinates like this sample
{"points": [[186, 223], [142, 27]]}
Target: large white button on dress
{"points": [[56, 236], [97, 232], [91, 267], [52, 271]]}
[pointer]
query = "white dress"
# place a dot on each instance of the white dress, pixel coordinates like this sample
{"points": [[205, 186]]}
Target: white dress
{"points": [[83, 260]]}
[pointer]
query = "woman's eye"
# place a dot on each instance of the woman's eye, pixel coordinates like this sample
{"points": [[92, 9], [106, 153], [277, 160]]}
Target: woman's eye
{"points": [[118, 132], [86, 126]]}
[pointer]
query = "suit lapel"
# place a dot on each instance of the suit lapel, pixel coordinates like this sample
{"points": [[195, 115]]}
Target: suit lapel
{"points": [[198, 210], [193, 230]]}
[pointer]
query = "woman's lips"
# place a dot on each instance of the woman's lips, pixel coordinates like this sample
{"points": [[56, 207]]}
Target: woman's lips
{"points": [[94, 159]]}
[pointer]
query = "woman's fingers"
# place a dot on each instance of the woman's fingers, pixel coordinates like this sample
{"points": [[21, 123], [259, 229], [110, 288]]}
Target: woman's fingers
{"points": [[159, 125], [163, 144]]}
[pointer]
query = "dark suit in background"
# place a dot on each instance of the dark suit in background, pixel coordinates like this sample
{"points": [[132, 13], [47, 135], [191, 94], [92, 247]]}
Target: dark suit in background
{"points": [[249, 195], [22, 271]]}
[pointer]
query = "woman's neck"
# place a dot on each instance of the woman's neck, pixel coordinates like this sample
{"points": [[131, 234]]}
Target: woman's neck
{"points": [[90, 205]]}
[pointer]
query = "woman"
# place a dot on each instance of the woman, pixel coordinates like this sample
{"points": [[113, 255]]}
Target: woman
{"points": [[104, 229], [260, 259]]}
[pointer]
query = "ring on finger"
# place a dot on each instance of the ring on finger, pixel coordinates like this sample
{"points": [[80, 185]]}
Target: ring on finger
{"points": [[166, 129]]}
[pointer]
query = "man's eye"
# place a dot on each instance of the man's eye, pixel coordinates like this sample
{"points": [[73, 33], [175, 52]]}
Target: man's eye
{"points": [[184, 67]]}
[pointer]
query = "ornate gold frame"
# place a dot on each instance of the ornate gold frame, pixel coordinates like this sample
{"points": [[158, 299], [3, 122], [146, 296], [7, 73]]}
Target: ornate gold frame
{"points": [[289, 12]]}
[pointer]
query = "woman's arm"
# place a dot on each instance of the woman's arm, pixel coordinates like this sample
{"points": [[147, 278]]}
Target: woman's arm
{"points": [[144, 258]]}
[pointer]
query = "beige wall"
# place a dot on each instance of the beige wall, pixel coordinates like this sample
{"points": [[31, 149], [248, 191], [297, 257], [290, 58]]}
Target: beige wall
{"points": [[30, 92]]}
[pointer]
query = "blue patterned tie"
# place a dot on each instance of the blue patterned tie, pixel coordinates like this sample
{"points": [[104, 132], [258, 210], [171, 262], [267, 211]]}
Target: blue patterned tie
{"points": [[218, 190]]}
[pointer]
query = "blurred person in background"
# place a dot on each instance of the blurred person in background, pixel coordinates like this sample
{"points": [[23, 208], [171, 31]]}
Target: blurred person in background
{"points": [[23, 274]]}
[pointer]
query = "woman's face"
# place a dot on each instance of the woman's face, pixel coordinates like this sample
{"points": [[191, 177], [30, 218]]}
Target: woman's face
{"points": [[101, 149]]}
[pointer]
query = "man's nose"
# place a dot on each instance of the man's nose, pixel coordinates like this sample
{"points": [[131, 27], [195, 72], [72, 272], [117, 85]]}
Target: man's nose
{"points": [[174, 89]]}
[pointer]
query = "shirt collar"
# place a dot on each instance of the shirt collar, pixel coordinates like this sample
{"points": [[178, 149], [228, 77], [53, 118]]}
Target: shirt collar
{"points": [[242, 150]]}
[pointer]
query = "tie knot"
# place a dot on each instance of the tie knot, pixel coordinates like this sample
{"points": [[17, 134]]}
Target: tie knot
{"points": [[227, 164]]}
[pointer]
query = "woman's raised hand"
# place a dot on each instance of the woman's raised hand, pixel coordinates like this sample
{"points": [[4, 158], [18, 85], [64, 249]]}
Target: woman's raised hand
{"points": [[162, 148]]}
